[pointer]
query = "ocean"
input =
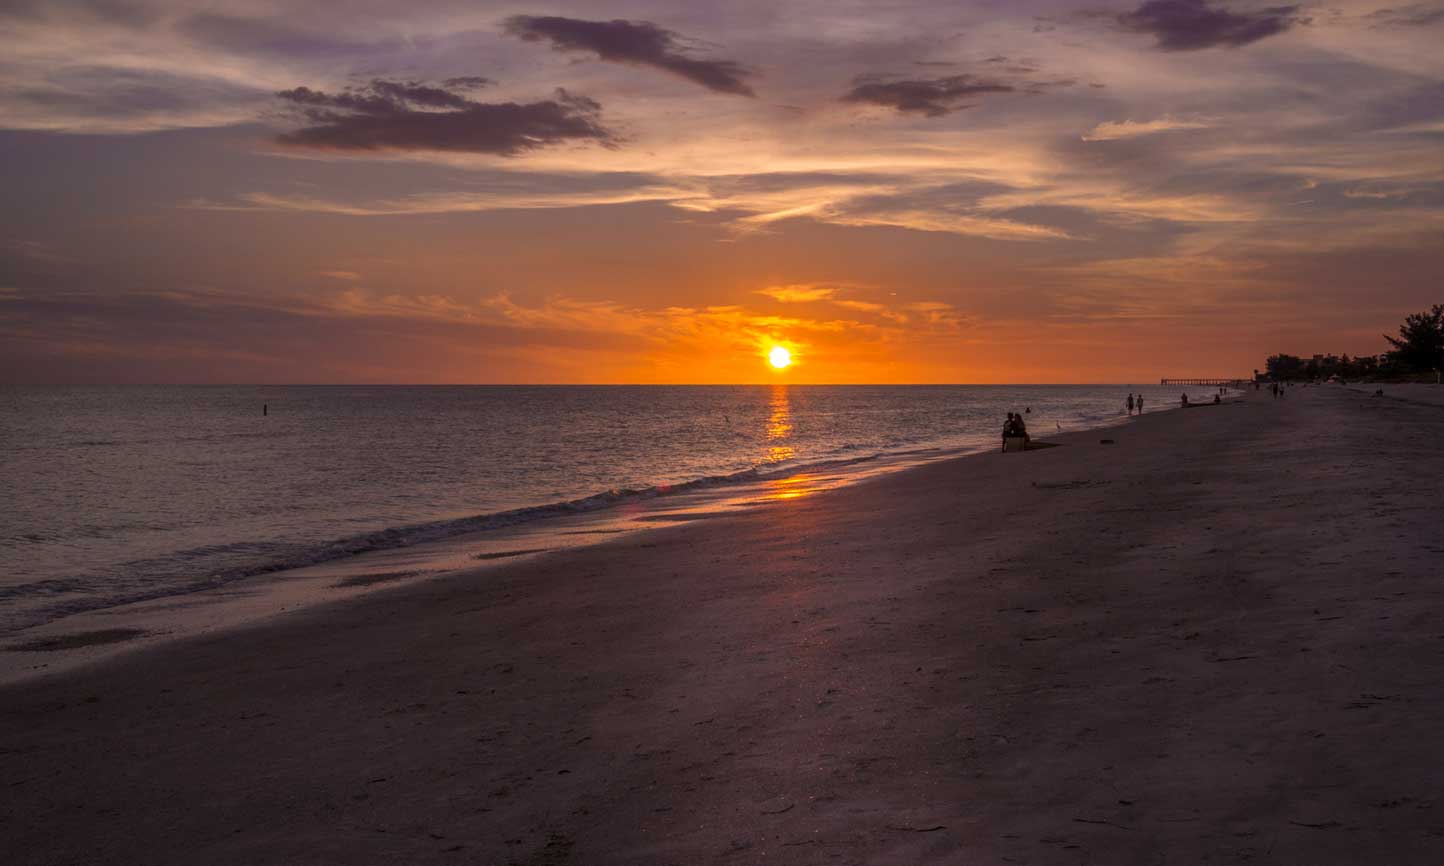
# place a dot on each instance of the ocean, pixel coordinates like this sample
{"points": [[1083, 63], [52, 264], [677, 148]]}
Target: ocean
{"points": [[119, 494]]}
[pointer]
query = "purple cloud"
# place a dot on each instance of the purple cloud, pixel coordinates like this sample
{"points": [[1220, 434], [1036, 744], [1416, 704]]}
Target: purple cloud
{"points": [[932, 97], [1190, 25], [1415, 15], [638, 43], [394, 115]]}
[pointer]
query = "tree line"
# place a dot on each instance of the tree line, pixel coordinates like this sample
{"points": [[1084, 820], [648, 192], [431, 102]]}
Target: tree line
{"points": [[1418, 352]]}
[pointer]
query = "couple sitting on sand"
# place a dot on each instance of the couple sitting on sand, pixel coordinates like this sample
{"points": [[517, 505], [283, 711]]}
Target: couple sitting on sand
{"points": [[1015, 428]]}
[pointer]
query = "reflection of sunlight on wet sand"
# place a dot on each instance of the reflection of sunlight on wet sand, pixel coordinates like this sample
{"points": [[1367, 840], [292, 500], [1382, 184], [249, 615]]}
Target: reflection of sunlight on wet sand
{"points": [[791, 487], [779, 427]]}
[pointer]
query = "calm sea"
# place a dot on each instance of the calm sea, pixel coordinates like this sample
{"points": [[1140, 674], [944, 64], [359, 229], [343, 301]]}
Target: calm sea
{"points": [[116, 494]]}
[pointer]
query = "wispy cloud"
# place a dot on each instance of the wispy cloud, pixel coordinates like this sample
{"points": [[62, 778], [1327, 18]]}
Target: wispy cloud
{"points": [[1113, 130], [798, 294], [1412, 15]]}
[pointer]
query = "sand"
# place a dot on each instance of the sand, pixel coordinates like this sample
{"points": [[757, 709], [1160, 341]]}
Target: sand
{"points": [[1218, 640]]}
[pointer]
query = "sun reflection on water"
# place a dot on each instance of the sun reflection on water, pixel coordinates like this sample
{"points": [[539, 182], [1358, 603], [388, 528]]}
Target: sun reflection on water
{"points": [[779, 427], [779, 449]]}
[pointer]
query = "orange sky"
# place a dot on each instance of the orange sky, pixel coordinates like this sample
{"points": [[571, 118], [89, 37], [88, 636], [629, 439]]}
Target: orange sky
{"points": [[1039, 191]]}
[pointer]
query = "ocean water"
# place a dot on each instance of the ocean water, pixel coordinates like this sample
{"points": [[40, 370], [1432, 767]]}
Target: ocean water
{"points": [[118, 494]]}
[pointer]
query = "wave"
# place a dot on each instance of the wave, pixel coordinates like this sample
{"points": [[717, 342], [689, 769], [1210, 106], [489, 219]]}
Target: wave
{"points": [[134, 581], [184, 572]]}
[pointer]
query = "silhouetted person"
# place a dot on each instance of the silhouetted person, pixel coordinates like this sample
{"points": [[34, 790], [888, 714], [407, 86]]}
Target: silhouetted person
{"points": [[1184, 399], [1217, 398], [1130, 404], [1140, 404]]}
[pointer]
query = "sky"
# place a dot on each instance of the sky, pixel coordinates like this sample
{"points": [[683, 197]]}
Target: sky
{"points": [[661, 192]]}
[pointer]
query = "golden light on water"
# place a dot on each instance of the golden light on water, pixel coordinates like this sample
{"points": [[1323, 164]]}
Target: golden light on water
{"points": [[779, 427], [779, 357]]}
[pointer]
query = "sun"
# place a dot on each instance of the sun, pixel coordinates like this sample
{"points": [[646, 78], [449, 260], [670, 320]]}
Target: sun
{"points": [[779, 357]]}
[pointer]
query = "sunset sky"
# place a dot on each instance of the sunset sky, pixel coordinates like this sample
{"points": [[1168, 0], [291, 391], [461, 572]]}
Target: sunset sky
{"points": [[1007, 191]]}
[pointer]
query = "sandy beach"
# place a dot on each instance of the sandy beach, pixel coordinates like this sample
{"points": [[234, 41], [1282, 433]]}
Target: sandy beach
{"points": [[1218, 639]]}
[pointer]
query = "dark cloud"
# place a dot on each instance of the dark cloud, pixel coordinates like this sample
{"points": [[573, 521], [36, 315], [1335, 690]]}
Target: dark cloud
{"points": [[1189, 25], [932, 97], [415, 93], [393, 115], [640, 43]]}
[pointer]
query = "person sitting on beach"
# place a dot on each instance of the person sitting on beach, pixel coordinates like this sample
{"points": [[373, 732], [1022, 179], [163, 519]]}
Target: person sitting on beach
{"points": [[1015, 428], [1217, 399]]}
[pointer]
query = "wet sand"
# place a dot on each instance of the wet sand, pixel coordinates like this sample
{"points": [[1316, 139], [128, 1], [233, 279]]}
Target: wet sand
{"points": [[1218, 640]]}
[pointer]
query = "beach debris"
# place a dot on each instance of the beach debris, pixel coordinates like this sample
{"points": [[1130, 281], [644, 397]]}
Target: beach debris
{"points": [[1106, 442], [904, 829], [787, 808], [1100, 821]]}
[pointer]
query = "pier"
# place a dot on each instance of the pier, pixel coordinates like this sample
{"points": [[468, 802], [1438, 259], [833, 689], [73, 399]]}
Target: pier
{"points": [[1235, 382]]}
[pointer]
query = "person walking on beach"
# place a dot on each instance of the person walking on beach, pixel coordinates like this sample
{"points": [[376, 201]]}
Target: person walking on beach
{"points": [[1130, 404], [1140, 404]]}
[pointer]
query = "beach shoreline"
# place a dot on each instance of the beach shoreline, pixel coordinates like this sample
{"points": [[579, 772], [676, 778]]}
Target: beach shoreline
{"points": [[425, 551], [1166, 647]]}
